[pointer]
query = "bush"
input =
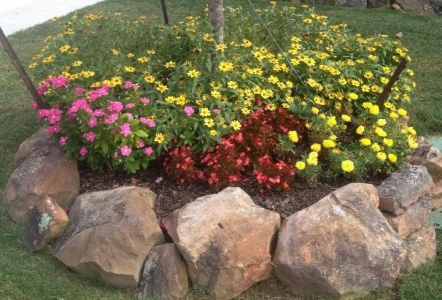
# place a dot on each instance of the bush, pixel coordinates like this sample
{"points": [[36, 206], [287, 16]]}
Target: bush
{"points": [[125, 93]]}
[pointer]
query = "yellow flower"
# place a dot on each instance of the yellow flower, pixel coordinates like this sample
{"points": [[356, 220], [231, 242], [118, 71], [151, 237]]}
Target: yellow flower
{"points": [[353, 96], [213, 132], [204, 112], [312, 159], [368, 74], [380, 132], [170, 65], [225, 66], [367, 105], [64, 48], [346, 118], [381, 156], [77, 63], [331, 121], [221, 47], [347, 166], [375, 147], [387, 142], [232, 85], [193, 73], [328, 143], [412, 143], [300, 165], [115, 52], [315, 110], [316, 147], [365, 142], [381, 122], [393, 115], [374, 110], [149, 79], [360, 130], [392, 158], [411, 130], [129, 69], [209, 122], [143, 59], [402, 112], [159, 138], [293, 136], [162, 88], [236, 125]]}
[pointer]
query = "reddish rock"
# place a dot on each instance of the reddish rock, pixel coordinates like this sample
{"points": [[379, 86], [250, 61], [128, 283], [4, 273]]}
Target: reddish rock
{"points": [[403, 188], [342, 244], [421, 246], [226, 241], [48, 220], [110, 234], [46, 172], [165, 274]]}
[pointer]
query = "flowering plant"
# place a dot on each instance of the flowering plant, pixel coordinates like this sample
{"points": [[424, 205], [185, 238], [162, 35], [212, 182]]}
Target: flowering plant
{"points": [[125, 93]]}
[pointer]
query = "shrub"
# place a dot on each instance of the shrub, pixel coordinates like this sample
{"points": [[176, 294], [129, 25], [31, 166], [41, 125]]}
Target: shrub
{"points": [[124, 93]]}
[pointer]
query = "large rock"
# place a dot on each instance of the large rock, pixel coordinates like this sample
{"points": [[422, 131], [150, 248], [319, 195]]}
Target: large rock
{"points": [[417, 6], [403, 188], [421, 247], [46, 172], [226, 241], [110, 234], [413, 218], [341, 244], [37, 141], [428, 156], [354, 3], [48, 220], [165, 274]]}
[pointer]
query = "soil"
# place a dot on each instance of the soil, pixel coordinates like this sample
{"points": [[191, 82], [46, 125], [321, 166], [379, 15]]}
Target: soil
{"points": [[172, 196]]}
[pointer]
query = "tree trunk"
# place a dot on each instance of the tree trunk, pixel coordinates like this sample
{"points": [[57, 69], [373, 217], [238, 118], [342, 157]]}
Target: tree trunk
{"points": [[216, 18]]}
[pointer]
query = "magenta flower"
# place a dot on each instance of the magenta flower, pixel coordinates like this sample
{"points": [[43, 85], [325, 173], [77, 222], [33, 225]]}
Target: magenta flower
{"points": [[42, 113], [83, 151], [129, 116], [145, 100], [188, 110], [92, 122], [148, 150], [59, 81], [116, 155], [110, 119], [141, 144], [53, 129], [99, 113], [125, 150], [130, 105], [115, 106], [63, 140], [54, 115], [125, 129], [148, 122], [89, 136], [34, 105], [79, 90], [216, 111], [127, 85], [101, 92]]}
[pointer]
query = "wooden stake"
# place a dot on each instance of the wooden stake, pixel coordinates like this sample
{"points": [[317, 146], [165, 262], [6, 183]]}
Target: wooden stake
{"points": [[165, 16], [402, 65], [18, 66]]}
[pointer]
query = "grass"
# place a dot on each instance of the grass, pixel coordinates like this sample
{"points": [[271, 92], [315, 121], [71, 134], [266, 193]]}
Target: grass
{"points": [[40, 276]]}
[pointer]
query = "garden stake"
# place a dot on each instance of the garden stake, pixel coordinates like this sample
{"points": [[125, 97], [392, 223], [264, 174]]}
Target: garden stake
{"points": [[165, 16], [16, 62], [402, 65]]}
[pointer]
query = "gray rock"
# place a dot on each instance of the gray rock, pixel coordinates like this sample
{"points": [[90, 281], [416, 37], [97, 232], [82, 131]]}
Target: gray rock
{"points": [[421, 246], [37, 141]]}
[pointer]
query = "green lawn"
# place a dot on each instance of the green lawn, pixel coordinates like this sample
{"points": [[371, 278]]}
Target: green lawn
{"points": [[40, 276]]}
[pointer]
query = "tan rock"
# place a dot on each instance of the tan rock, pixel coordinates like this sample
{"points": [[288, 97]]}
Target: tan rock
{"points": [[110, 234], [436, 195], [342, 244], [403, 188], [412, 219], [46, 172], [37, 141], [226, 241], [428, 156], [417, 6], [421, 247], [165, 274], [48, 220]]}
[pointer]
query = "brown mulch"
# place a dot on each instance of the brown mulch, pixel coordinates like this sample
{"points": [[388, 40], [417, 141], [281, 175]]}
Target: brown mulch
{"points": [[172, 196]]}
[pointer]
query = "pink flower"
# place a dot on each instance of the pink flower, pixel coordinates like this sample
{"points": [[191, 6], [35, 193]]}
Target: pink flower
{"points": [[83, 151], [110, 119], [92, 122], [59, 81], [188, 110], [79, 90], [101, 92], [125, 150], [54, 115], [42, 113], [145, 100], [125, 129], [148, 150], [141, 144], [89, 136], [116, 155], [53, 129], [216, 111], [129, 116], [63, 140], [130, 105], [34, 105], [99, 113], [115, 106], [148, 122]]}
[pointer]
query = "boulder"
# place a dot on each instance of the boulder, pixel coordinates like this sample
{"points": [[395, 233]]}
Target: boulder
{"points": [[421, 247], [342, 244], [437, 5], [226, 241], [46, 172], [378, 3], [165, 274], [403, 188], [37, 141], [428, 156], [354, 3], [412, 219], [110, 234], [48, 220], [417, 6]]}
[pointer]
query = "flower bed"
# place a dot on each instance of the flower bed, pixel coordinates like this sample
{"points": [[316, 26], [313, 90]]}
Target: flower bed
{"points": [[265, 105]]}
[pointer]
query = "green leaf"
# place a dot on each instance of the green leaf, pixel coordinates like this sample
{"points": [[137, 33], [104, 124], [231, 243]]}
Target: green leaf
{"points": [[104, 148], [141, 133]]}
